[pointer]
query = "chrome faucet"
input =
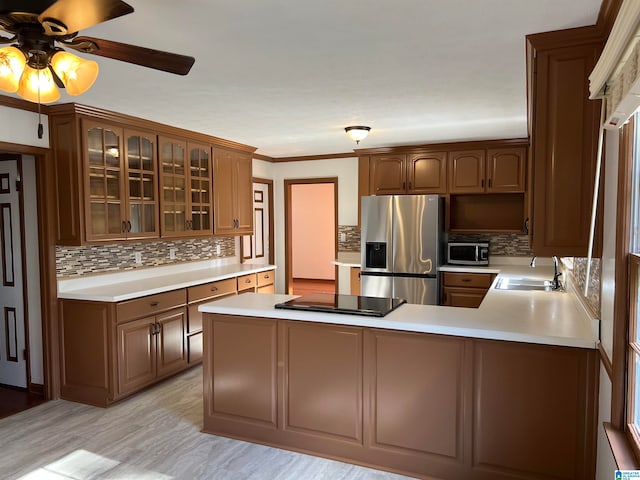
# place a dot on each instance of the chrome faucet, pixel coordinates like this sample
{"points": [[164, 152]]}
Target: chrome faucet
{"points": [[555, 284]]}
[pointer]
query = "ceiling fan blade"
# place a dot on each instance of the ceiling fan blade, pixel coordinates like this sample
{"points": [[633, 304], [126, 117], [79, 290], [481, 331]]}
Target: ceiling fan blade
{"points": [[145, 57], [69, 16]]}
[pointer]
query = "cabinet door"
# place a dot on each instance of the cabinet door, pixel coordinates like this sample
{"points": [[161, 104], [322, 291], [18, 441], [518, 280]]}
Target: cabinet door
{"points": [[244, 194], [142, 184], [173, 186], [506, 170], [427, 173], [564, 141], [104, 201], [224, 218], [387, 174], [354, 278], [200, 189], [462, 297], [466, 171], [136, 354], [172, 354]]}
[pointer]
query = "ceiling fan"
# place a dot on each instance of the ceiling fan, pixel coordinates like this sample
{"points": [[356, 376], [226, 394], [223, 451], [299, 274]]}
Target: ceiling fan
{"points": [[36, 63]]}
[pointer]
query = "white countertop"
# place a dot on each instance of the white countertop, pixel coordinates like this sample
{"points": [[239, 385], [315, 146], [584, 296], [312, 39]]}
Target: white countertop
{"points": [[348, 259], [550, 318], [116, 287]]}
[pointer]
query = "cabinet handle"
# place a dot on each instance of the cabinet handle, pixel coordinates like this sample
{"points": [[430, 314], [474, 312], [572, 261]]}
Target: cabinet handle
{"points": [[526, 226], [124, 226], [154, 329], [409, 185], [489, 183], [214, 289], [154, 304], [247, 280], [266, 277], [482, 183], [403, 185], [465, 279], [128, 225]]}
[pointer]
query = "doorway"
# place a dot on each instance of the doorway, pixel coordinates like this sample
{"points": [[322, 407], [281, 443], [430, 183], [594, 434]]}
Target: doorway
{"points": [[311, 244]]}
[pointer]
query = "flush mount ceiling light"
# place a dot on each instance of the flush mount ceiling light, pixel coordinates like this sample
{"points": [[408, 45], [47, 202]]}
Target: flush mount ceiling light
{"points": [[357, 133]]}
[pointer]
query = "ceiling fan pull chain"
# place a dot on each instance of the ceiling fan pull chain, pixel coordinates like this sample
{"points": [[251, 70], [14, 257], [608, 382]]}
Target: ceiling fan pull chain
{"points": [[40, 127]]}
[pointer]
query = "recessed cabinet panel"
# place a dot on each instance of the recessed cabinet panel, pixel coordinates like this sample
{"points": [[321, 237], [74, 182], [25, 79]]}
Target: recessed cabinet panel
{"points": [[506, 170], [136, 355], [427, 173], [233, 192], [172, 354], [388, 174], [467, 171], [417, 398], [243, 366], [323, 394]]}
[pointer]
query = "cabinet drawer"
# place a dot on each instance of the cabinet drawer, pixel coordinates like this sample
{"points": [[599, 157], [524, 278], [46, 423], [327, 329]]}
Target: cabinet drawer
{"points": [[210, 290], [150, 305], [266, 278], [480, 280], [247, 282]]}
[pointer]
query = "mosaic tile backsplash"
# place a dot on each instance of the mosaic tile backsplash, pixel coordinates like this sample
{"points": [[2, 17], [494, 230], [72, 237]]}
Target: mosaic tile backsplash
{"points": [[73, 261], [579, 276], [348, 238]]}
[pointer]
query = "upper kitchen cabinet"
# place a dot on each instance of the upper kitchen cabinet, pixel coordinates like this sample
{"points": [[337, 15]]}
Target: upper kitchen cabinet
{"points": [[563, 126], [411, 173], [119, 178], [233, 192], [487, 171], [185, 180]]}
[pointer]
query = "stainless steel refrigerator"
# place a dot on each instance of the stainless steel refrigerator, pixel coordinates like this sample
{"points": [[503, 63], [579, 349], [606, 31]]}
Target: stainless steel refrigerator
{"points": [[401, 247]]}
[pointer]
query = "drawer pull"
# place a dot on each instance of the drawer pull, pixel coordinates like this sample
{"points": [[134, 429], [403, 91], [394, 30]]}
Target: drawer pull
{"points": [[248, 280], [154, 304], [465, 279], [214, 289], [266, 276]]}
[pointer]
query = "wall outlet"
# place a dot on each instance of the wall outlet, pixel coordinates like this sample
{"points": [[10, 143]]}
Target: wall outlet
{"points": [[217, 249], [343, 237], [138, 257], [172, 253]]}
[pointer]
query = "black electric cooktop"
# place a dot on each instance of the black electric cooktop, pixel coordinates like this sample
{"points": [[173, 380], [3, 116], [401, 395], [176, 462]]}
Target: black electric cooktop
{"points": [[336, 303]]}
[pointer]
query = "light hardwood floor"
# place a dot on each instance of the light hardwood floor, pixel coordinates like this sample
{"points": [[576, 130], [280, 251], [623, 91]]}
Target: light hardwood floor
{"points": [[153, 435]]}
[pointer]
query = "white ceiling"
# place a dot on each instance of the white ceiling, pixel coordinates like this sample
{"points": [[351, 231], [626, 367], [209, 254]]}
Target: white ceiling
{"points": [[287, 76]]}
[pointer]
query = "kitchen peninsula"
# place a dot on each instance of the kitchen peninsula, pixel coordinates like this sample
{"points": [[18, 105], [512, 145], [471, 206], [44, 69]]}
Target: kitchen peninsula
{"points": [[504, 391]]}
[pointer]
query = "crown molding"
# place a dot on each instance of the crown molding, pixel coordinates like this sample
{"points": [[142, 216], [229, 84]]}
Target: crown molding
{"points": [[20, 104]]}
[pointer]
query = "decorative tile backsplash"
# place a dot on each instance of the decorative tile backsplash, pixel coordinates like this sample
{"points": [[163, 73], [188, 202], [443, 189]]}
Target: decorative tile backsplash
{"points": [[502, 244], [72, 261], [579, 276], [351, 235]]}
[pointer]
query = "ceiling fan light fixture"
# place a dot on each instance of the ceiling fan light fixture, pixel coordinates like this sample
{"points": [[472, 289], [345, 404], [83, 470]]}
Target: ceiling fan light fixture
{"points": [[12, 63], [357, 132], [37, 85], [77, 74]]}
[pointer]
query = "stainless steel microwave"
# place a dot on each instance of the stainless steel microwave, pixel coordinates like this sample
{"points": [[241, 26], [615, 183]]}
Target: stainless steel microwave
{"points": [[468, 253]]}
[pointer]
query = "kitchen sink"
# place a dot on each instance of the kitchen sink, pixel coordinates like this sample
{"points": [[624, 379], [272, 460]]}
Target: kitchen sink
{"points": [[523, 284]]}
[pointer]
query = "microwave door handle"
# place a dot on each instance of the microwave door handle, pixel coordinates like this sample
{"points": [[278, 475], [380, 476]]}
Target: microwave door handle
{"points": [[477, 253]]}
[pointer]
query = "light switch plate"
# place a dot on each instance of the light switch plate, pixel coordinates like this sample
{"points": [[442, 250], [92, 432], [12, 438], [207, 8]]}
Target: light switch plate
{"points": [[217, 249], [172, 253], [138, 257]]}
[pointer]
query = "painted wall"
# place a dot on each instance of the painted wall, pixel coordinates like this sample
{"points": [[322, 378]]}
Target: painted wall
{"points": [[346, 169], [20, 126], [313, 237], [605, 460]]}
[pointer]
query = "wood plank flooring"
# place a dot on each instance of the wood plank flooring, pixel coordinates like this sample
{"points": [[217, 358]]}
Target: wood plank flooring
{"points": [[302, 286], [152, 435], [13, 401]]}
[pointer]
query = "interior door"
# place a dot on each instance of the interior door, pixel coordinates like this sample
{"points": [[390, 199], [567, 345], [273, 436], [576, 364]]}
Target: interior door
{"points": [[13, 363], [256, 247]]}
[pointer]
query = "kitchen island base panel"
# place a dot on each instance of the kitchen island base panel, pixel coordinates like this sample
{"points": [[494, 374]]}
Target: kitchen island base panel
{"points": [[419, 404]]}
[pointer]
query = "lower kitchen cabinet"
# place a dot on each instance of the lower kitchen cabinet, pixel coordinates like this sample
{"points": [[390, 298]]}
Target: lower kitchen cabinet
{"points": [[420, 404], [464, 289], [266, 282]]}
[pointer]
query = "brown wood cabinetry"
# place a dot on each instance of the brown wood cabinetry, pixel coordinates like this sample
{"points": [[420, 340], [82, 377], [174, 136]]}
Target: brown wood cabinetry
{"points": [[563, 126], [464, 289], [119, 178], [196, 296], [419, 404], [185, 181], [247, 283], [266, 282], [233, 192], [414, 173], [490, 171]]}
